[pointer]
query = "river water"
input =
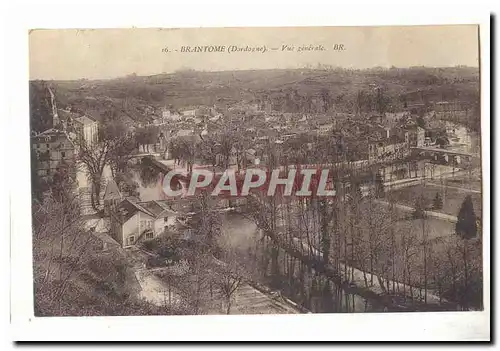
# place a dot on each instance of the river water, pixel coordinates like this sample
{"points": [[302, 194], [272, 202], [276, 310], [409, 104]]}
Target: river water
{"points": [[241, 232]]}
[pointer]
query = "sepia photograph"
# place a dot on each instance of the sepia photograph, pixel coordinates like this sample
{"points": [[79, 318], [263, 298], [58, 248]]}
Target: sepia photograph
{"points": [[249, 171]]}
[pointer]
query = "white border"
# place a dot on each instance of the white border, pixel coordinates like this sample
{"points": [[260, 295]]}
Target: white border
{"points": [[417, 326]]}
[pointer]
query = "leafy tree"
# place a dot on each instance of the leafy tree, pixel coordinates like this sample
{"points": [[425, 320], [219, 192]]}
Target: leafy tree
{"points": [[466, 226], [437, 203]]}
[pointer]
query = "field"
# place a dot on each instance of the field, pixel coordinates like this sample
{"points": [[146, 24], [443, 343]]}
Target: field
{"points": [[452, 197], [435, 228], [464, 182]]}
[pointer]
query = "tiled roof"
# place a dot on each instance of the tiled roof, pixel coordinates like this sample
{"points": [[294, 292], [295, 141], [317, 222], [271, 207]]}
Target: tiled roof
{"points": [[155, 209], [51, 135]]}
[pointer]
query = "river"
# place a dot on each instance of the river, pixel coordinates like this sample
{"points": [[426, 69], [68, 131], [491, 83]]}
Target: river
{"points": [[242, 233]]}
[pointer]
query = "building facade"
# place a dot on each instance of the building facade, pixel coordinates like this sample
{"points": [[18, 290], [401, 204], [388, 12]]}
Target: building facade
{"points": [[87, 129], [391, 148], [132, 222], [52, 148]]}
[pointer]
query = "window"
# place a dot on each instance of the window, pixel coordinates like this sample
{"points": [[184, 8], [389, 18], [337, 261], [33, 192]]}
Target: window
{"points": [[63, 154], [149, 235], [131, 240], [165, 219], [47, 146]]}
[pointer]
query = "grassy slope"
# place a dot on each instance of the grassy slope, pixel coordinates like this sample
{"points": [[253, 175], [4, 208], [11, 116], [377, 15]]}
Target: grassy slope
{"points": [[99, 284], [453, 197]]}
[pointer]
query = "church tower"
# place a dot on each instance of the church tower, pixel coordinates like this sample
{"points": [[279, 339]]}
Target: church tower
{"points": [[55, 116]]}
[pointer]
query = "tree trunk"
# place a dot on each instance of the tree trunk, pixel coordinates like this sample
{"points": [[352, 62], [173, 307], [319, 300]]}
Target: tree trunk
{"points": [[371, 267], [274, 263], [228, 310], [466, 277], [425, 260], [96, 193]]}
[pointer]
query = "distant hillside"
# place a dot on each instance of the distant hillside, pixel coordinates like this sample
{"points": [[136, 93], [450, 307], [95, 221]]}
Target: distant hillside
{"points": [[132, 95]]}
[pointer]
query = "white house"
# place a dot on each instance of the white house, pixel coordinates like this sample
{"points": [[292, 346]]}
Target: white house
{"points": [[87, 129], [132, 221]]}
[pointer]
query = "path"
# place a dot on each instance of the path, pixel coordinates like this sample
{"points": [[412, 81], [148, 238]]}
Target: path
{"points": [[433, 214], [249, 300], [154, 290], [359, 280], [455, 187], [377, 288]]}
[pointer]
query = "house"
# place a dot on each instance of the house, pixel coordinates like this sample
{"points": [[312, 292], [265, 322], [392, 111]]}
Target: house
{"points": [[389, 148], [190, 113], [52, 147], [450, 110], [132, 221], [417, 136], [87, 129], [393, 118]]}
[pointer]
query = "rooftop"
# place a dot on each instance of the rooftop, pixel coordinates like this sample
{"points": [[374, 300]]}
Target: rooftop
{"points": [[112, 192], [84, 120]]}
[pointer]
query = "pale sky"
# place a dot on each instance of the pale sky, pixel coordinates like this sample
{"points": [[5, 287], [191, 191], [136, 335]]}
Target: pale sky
{"points": [[108, 53]]}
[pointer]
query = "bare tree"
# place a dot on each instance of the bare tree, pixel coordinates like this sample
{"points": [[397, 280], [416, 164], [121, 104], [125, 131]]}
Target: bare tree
{"points": [[60, 243], [229, 277], [96, 156]]}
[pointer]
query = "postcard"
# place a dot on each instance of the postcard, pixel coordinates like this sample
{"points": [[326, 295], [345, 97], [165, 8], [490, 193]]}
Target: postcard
{"points": [[256, 171]]}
